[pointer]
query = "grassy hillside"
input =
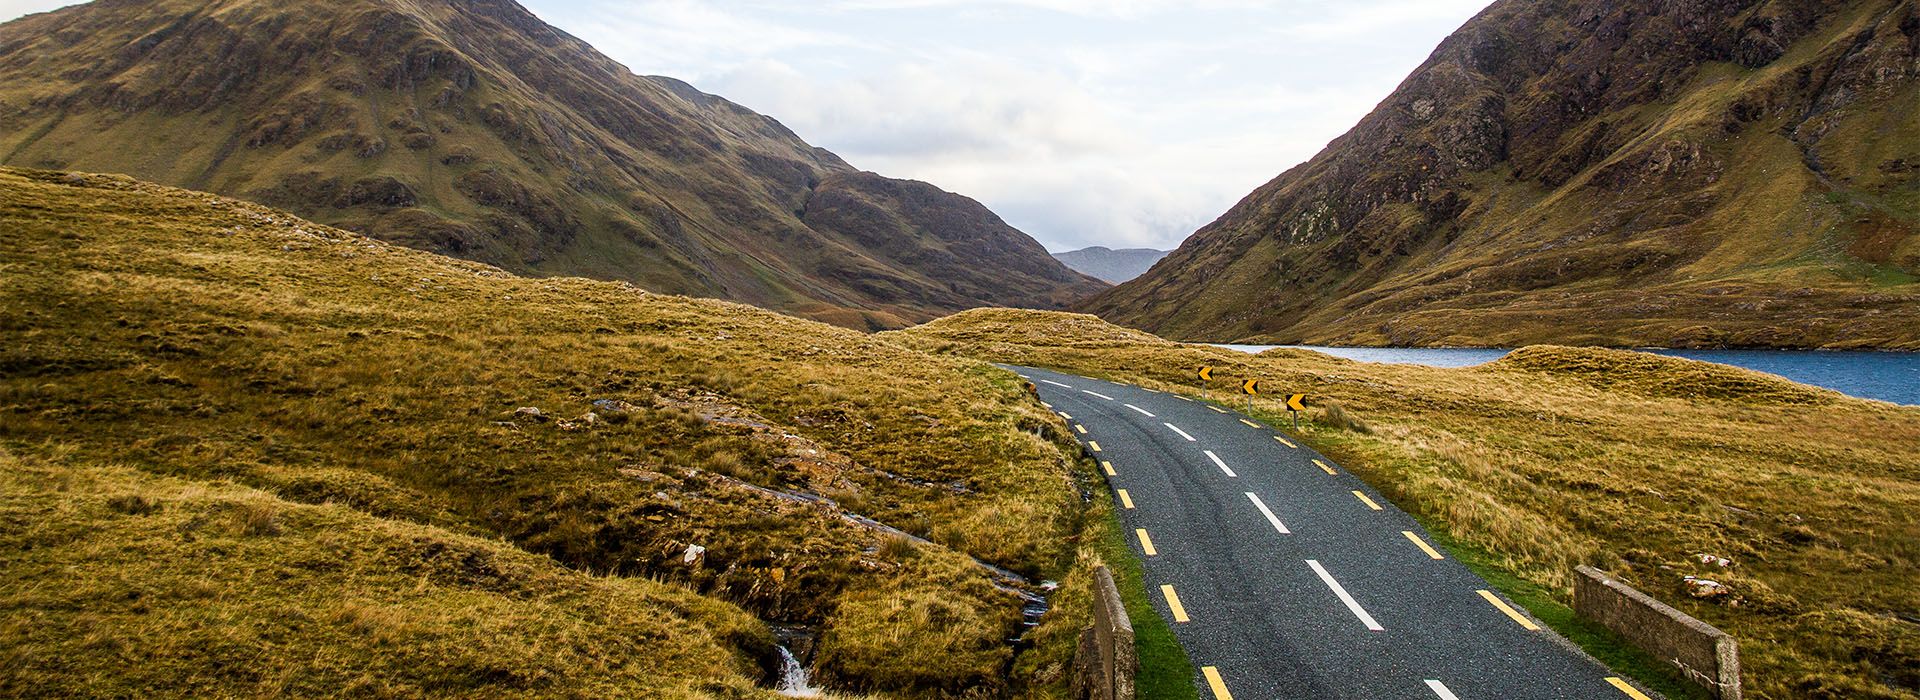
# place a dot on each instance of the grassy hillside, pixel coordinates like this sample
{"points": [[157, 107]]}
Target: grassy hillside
{"points": [[120, 583], [1633, 463], [1635, 173], [475, 130], [232, 362]]}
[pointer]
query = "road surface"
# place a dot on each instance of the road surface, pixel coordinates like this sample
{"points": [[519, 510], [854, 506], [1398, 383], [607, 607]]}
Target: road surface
{"points": [[1286, 577]]}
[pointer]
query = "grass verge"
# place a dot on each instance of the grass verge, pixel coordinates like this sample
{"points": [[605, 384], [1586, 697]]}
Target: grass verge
{"points": [[1165, 671]]}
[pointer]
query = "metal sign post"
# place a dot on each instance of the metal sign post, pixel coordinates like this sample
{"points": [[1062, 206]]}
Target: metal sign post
{"points": [[1206, 376], [1252, 386], [1295, 404]]}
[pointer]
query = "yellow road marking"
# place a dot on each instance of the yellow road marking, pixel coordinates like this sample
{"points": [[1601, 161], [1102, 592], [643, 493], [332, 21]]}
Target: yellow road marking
{"points": [[1249, 423], [1323, 467], [1217, 409], [1213, 681], [1283, 441], [1173, 603], [1183, 398], [1629, 690], [1125, 500], [1502, 605], [1146, 543], [1063, 414], [1151, 391], [1094, 445], [1363, 499], [1048, 405], [1424, 547], [1081, 428], [1109, 467]]}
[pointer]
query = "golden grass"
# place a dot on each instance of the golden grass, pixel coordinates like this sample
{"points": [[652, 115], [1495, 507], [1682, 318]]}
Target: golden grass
{"points": [[1633, 463], [124, 584], [214, 341]]}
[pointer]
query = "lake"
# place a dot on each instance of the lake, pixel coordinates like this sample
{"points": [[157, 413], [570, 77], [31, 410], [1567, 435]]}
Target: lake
{"points": [[1887, 376]]}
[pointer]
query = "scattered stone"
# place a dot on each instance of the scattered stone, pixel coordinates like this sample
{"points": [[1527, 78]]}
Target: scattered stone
{"points": [[693, 554], [588, 419], [1721, 562], [510, 425], [567, 426], [1706, 588], [529, 412]]}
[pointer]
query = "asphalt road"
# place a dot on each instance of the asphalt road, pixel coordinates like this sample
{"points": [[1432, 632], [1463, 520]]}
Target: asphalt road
{"points": [[1286, 577]]}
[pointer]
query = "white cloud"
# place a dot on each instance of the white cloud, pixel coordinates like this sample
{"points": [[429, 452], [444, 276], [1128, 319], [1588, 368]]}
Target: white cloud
{"points": [[1348, 20], [685, 39], [13, 9], [972, 110], [1119, 9]]}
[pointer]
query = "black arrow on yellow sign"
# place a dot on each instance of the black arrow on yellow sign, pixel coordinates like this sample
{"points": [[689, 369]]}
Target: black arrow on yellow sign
{"points": [[1251, 386], [1206, 374], [1296, 402]]}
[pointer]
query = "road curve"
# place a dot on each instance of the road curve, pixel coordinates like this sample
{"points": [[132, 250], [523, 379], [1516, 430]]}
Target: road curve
{"points": [[1286, 577]]}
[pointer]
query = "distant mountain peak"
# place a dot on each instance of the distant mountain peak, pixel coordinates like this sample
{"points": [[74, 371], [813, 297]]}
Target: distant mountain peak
{"points": [[1115, 266]]}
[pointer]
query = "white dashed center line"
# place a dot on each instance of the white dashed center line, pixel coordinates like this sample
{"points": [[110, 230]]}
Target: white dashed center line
{"points": [[1440, 689], [1137, 408], [1182, 433], [1058, 384], [1220, 464], [1257, 503], [1345, 598], [1095, 393]]}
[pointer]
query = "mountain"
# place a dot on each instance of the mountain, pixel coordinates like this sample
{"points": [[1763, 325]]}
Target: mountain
{"points": [[472, 128], [1639, 172], [1111, 265]]}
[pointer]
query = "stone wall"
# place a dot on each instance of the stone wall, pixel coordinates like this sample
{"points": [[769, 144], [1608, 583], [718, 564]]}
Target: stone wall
{"points": [[1105, 665], [1704, 654]]}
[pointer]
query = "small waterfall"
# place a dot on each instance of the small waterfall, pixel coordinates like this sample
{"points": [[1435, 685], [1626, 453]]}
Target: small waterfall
{"points": [[794, 682]]}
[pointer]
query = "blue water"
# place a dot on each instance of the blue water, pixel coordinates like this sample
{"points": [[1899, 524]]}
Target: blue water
{"points": [[1887, 376]]}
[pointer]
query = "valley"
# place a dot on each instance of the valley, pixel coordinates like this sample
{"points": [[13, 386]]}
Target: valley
{"points": [[420, 349]]}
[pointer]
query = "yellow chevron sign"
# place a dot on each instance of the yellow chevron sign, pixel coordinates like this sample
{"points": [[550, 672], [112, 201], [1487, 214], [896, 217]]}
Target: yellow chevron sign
{"points": [[1251, 386], [1206, 374], [1296, 402]]}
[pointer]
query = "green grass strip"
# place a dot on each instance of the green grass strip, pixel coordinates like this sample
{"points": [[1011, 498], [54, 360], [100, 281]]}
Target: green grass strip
{"points": [[1165, 671]]}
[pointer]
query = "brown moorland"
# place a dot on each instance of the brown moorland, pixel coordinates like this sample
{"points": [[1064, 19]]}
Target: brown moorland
{"points": [[228, 427]]}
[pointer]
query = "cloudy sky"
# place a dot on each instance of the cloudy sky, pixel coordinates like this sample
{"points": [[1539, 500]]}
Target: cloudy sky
{"points": [[1083, 122]]}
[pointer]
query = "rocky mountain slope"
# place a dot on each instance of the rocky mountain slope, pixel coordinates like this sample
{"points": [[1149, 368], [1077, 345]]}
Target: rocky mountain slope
{"points": [[1710, 172], [244, 454], [1111, 265], [474, 129]]}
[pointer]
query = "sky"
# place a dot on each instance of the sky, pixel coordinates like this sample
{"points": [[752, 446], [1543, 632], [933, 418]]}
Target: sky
{"points": [[1124, 123]]}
